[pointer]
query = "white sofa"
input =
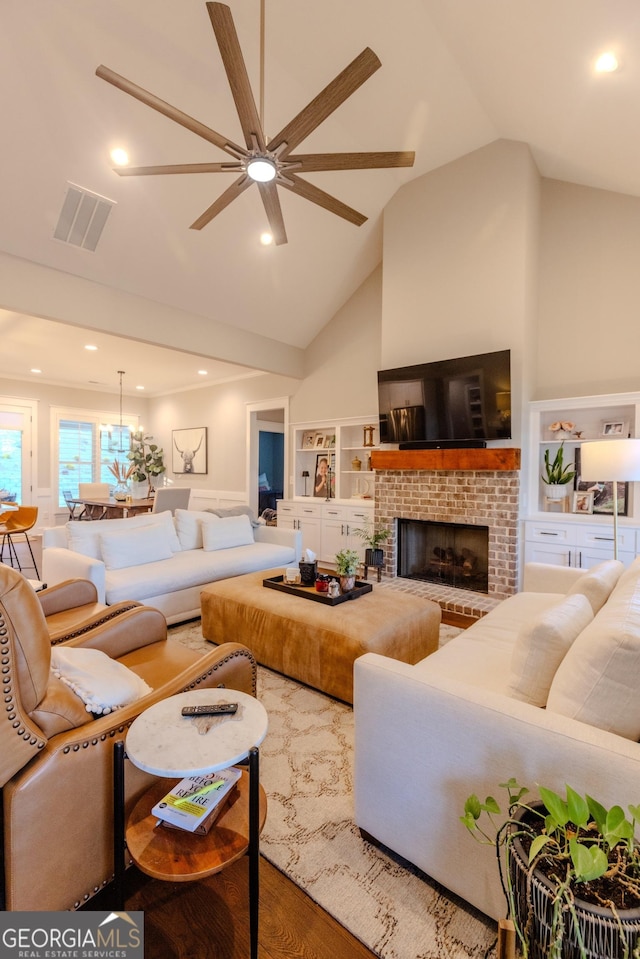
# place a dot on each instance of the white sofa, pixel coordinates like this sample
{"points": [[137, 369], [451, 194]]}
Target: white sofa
{"points": [[463, 720], [164, 560]]}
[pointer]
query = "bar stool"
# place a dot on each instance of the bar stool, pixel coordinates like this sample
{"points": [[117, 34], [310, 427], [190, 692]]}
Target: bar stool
{"points": [[16, 523]]}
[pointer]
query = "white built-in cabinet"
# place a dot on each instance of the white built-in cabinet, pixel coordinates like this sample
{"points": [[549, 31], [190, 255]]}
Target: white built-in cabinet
{"points": [[328, 524], [560, 536]]}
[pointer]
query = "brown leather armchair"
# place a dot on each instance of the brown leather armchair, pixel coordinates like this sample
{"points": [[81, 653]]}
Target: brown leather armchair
{"points": [[56, 759], [72, 609]]}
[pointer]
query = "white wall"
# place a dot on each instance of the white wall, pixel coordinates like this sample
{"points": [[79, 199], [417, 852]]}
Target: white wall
{"points": [[460, 263], [341, 363], [588, 336], [222, 409]]}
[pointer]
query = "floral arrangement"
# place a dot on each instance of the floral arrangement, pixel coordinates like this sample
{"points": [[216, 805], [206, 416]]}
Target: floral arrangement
{"points": [[566, 425], [121, 472]]}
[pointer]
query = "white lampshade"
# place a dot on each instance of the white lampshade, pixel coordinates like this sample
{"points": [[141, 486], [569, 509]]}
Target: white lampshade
{"points": [[611, 460]]}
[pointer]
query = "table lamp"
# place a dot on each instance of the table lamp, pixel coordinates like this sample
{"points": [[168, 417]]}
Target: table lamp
{"points": [[616, 460], [305, 476]]}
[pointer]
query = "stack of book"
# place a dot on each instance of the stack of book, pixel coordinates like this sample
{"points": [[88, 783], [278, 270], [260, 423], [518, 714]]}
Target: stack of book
{"points": [[196, 802]]}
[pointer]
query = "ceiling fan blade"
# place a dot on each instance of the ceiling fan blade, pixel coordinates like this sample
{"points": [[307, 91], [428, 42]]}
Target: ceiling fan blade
{"points": [[310, 192], [223, 201], [231, 53], [271, 200], [328, 100], [178, 168], [351, 161], [151, 100]]}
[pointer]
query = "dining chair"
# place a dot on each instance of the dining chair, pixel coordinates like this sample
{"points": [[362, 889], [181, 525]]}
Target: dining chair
{"points": [[93, 491], [171, 499]]}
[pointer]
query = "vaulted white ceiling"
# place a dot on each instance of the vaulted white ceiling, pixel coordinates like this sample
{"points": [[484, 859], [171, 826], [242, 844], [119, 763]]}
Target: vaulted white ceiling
{"points": [[456, 74]]}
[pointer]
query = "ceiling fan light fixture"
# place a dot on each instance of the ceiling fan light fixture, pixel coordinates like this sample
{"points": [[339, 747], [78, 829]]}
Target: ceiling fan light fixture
{"points": [[266, 239], [261, 169]]}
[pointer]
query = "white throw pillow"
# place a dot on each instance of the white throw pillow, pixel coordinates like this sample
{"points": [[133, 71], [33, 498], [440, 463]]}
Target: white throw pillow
{"points": [[189, 526], [599, 678], [85, 537], [134, 547], [228, 532], [598, 583], [102, 683], [542, 644]]}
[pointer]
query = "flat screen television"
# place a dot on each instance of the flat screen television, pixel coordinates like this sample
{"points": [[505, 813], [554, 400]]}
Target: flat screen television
{"points": [[465, 401]]}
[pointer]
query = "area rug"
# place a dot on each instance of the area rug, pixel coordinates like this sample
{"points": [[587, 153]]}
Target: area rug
{"points": [[306, 770]]}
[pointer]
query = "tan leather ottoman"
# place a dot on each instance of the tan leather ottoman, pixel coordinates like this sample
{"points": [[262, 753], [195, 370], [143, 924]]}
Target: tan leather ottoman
{"points": [[314, 643]]}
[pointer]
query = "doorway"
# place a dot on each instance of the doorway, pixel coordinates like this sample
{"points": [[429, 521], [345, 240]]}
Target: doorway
{"points": [[267, 432]]}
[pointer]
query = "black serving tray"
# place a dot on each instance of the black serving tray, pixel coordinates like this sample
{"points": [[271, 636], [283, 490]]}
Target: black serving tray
{"points": [[310, 592]]}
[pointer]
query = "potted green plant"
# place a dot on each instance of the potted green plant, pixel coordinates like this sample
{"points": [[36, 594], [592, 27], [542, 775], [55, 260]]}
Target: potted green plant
{"points": [[556, 473], [373, 538], [347, 562], [571, 875], [147, 459]]}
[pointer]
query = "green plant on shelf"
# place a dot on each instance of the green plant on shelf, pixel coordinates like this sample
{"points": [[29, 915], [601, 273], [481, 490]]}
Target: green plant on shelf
{"points": [[556, 471]]}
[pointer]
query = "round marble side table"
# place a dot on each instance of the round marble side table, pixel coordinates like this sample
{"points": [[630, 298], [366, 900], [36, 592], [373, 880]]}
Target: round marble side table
{"points": [[163, 742]]}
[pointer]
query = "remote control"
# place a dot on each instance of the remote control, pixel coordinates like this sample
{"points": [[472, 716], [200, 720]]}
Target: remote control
{"points": [[219, 709]]}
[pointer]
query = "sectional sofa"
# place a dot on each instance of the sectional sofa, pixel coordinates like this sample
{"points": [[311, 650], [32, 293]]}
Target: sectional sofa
{"points": [[164, 560], [545, 688]]}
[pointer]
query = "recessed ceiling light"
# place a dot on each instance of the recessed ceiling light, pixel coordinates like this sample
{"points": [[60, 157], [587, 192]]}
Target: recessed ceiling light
{"points": [[202, 372], [90, 346], [119, 156], [139, 387], [34, 370], [606, 63], [266, 239]]}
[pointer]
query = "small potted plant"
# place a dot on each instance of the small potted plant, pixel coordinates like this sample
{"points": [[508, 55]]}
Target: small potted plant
{"points": [[373, 538], [557, 473], [347, 562], [572, 877]]}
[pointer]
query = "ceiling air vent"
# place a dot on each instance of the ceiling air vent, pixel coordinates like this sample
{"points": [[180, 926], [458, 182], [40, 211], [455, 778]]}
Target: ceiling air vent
{"points": [[82, 218]]}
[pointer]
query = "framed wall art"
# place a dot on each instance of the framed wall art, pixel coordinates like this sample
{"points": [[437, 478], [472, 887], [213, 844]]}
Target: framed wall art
{"points": [[324, 484], [189, 450], [602, 491]]}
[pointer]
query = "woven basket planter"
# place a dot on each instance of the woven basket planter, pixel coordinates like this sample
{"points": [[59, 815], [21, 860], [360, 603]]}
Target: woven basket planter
{"points": [[533, 897]]}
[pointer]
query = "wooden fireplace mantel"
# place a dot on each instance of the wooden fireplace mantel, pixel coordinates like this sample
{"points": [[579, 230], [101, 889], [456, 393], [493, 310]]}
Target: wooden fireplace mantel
{"points": [[460, 459]]}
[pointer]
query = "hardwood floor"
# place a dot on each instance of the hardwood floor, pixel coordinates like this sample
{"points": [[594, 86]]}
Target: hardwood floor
{"points": [[209, 919]]}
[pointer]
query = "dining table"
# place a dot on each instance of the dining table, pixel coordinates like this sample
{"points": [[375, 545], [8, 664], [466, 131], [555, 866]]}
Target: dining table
{"points": [[109, 508]]}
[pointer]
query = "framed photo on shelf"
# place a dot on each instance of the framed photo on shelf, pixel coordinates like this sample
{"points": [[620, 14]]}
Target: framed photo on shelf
{"points": [[324, 483], [189, 450], [583, 501], [319, 441], [615, 428], [308, 440], [329, 441], [602, 491]]}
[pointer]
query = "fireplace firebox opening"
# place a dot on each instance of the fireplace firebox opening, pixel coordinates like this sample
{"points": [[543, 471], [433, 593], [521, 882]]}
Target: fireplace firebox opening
{"points": [[451, 554]]}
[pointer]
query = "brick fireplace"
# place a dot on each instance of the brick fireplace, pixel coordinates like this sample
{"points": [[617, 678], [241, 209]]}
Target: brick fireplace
{"points": [[472, 487]]}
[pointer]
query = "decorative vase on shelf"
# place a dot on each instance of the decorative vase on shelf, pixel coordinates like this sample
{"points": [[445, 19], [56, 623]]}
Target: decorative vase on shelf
{"points": [[121, 492]]}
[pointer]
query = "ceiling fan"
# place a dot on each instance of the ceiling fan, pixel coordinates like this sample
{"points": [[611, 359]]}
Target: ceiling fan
{"points": [[269, 164]]}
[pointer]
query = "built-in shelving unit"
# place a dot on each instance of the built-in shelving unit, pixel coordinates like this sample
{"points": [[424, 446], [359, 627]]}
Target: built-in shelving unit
{"points": [[554, 532], [327, 522]]}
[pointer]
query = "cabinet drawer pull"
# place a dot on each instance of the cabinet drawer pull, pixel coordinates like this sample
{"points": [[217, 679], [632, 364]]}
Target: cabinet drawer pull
{"points": [[543, 532], [604, 539]]}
